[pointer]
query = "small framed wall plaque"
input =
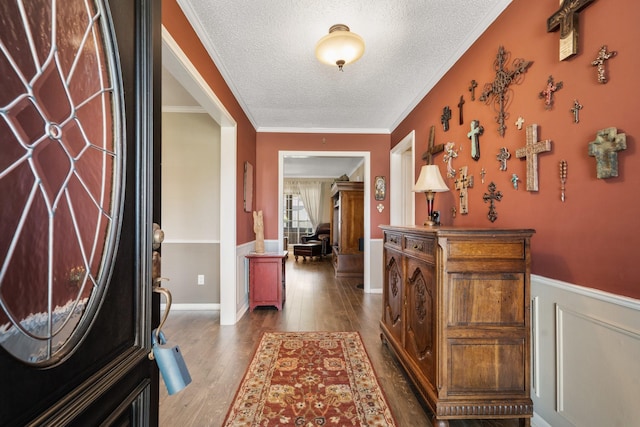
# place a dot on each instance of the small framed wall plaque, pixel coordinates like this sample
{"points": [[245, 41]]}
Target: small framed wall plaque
{"points": [[248, 187], [381, 188]]}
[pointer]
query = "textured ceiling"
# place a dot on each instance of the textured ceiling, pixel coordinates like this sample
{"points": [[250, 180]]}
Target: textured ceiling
{"points": [[265, 52]]}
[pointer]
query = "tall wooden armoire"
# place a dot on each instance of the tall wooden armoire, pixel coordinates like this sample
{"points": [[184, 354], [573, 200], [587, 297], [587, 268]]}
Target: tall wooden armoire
{"points": [[347, 228]]}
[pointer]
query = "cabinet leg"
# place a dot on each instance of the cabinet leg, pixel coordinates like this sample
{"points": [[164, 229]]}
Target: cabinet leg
{"points": [[439, 423]]}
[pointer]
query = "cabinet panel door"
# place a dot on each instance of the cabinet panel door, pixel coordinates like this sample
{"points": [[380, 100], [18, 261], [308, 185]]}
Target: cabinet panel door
{"points": [[393, 294], [266, 280], [421, 315]]}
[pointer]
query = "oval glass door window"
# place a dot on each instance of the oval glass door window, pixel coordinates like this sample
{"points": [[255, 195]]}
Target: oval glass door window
{"points": [[61, 160]]}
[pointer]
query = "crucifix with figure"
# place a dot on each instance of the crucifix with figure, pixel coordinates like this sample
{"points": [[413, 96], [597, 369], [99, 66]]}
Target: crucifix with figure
{"points": [[605, 149], [565, 19], [432, 149], [462, 183], [499, 90], [530, 152]]}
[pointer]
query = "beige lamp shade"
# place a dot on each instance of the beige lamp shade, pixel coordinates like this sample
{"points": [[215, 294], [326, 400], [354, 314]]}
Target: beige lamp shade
{"points": [[430, 179], [340, 46]]}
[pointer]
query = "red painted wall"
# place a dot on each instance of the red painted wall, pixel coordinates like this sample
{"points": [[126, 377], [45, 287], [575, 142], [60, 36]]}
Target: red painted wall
{"points": [[592, 238], [268, 146], [178, 26]]}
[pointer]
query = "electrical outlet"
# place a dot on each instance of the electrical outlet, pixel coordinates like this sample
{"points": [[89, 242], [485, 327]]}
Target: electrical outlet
{"points": [[200, 279]]}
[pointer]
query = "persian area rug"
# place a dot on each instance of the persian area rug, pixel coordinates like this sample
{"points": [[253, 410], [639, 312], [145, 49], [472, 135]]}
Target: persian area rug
{"points": [[310, 379]]}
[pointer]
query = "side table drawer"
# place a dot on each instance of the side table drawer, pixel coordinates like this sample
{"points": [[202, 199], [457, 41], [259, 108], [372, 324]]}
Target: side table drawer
{"points": [[420, 246]]}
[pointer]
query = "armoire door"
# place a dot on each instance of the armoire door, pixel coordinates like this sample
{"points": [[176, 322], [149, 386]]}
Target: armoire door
{"points": [[79, 100]]}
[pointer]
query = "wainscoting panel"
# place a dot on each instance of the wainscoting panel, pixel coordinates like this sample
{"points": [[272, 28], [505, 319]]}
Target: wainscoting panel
{"points": [[586, 353]]}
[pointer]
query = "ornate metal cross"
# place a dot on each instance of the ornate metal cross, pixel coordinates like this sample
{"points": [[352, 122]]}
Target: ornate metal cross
{"points": [[499, 90], [474, 135], [450, 153], [576, 111], [605, 149], [530, 152], [603, 55], [566, 20], [446, 116], [490, 197], [462, 183], [502, 157], [460, 104], [432, 149], [472, 89], [547, 93]]}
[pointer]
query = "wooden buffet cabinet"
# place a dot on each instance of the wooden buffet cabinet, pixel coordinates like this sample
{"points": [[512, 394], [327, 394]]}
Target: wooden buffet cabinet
{"points": [[347, 228], [456, 313]]}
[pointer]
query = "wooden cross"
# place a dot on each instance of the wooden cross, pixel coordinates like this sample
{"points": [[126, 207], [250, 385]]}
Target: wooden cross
{"points": [[427, 156], [460, 104], [566, 20], [605, 149], [498, 91], [462, 183], [474, 135], [530, 152], [491, 197], [603, 55], [547, 93], [446, 116], [576, 110], [472, 89], [519, 123], [502, 157]]}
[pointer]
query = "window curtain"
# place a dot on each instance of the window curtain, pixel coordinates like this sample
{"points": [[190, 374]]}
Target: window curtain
{"points": [[312, 197]]}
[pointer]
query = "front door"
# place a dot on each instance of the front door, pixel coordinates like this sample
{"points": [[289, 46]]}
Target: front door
{"points": [[79, 97]]}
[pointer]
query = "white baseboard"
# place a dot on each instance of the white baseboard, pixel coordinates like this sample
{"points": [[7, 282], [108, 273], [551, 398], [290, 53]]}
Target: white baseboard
{"points": [[192, 307]]}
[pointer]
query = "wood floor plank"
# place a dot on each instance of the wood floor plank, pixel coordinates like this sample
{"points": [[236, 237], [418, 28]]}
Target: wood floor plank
{"points": [[218, 356]]}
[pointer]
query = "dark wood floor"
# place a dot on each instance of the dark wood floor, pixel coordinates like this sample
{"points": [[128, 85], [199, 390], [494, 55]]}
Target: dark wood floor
{"points": [[217, 356]]}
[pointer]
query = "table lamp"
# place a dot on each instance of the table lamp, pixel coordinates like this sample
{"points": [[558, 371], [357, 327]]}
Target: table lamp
{"points": [[430, 182]]}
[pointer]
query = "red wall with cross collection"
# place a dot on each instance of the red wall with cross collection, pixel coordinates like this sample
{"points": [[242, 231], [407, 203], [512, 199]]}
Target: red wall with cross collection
{"points": [[592, 238]]}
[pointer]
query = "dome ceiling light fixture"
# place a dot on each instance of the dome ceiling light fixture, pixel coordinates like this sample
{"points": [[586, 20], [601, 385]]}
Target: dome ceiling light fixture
{"points": [[340, 46]]}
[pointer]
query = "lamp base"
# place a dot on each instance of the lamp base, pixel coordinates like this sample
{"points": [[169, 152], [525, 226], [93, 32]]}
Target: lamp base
{"points": [[429, 223]]}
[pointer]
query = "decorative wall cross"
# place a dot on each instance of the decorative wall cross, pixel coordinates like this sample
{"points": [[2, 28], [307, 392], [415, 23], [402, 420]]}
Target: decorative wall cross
{"points": [[603, 55], [499, 91], [482, 174], [432, 149], [576, 111], [491, 197], [502, 157], [547, 93], [474, 136], [472, 89], [566, 20], [530, 152], [605, 149], [519, 123], [460, 104], [462, 183], [449, 154], [446, 116]]}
